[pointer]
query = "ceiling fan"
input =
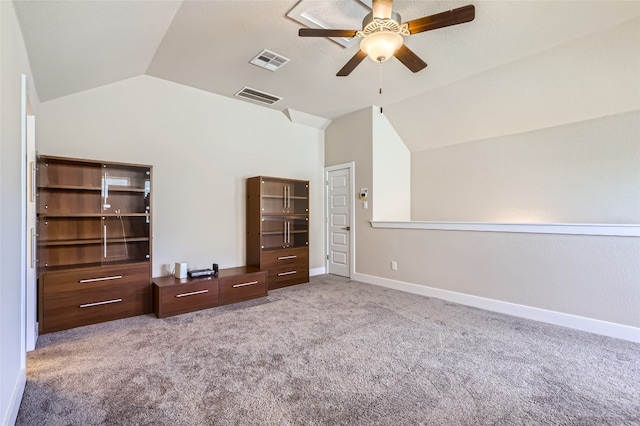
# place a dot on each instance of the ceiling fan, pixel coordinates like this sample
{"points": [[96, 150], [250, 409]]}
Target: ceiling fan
{"points": [[383, 34]]}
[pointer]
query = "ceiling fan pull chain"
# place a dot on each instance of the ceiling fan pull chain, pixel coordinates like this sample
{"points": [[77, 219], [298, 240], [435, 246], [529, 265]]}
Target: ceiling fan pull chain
{"points": [[381, 77], [380, 83]]}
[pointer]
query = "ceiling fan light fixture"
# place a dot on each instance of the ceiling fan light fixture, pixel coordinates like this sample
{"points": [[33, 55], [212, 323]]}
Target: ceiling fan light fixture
{"points": [[383, 35], [381, 45]]}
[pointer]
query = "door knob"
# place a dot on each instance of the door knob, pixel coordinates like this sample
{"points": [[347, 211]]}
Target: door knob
{"points": [[347, 228]]}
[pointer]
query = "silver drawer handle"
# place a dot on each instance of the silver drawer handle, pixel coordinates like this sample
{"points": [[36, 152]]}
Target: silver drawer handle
{"points": [[193, 293], [287, 273], [106, 302], [287, 257], [245, 284], [92, 280]]}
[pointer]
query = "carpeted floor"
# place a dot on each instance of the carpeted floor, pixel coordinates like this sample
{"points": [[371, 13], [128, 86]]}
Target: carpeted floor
{"points": [[333, 352]]}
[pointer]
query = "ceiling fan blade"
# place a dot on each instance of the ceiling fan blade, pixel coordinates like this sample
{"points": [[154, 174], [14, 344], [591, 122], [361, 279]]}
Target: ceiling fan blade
{"points": [[323, 32], [382, 8], [410, 59], [352, 64], [444, 19]]}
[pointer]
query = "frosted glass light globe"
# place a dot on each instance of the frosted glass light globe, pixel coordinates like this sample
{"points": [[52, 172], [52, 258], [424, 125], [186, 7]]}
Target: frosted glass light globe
{"points": [[381, 45]]}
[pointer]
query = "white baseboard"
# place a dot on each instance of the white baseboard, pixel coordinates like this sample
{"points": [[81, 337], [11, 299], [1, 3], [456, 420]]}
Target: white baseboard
{"points": [[605, 328], [11, 414], [317, 271]]}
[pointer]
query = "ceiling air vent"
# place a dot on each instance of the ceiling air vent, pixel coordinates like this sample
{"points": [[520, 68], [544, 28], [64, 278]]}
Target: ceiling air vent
{"points": [[269, 60], [258, 96]]}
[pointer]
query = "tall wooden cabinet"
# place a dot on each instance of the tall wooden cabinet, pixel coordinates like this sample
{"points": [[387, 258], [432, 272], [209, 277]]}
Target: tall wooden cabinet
{"points": [[278, 229], [93, 241]]}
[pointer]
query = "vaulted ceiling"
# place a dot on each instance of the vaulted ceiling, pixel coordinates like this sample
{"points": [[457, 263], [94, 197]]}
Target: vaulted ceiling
{"points": [[76, 45]]}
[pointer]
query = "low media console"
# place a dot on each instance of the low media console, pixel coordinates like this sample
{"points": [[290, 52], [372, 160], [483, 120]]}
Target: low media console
{"points": [[173, 296]]}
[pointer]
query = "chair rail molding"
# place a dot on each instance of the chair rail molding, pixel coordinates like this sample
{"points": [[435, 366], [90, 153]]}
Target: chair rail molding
{"points": [[617, 230]]}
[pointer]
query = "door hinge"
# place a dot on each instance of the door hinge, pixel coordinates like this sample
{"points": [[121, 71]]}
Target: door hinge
{"points": [[327, 257]]}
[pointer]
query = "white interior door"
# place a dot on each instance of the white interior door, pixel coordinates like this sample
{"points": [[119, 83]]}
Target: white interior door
{"points": [[339, 221]]}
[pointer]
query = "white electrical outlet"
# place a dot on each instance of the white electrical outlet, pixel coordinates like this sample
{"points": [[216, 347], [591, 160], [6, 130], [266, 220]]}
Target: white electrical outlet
{"points": [[394, 265]]}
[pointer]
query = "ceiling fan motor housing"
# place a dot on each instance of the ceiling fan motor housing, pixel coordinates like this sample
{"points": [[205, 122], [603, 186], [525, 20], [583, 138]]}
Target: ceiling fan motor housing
{"points": [[381, 37], [391, 24]]}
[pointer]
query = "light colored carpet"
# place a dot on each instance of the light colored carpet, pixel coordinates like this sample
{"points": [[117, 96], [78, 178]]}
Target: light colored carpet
{"points": [[331, 352]]}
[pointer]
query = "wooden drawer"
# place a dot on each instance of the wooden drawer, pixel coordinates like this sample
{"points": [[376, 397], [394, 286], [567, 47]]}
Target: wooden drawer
{"points": [[89, 296], [237, 284], [288, 275], [104, 304], [80, 279], [286, 267], [271, 259], [172, 296]]}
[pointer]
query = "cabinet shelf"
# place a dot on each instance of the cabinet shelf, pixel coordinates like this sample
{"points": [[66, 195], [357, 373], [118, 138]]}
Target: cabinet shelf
{"points": [[89, 266], [280, 216], [70, 187], [292, 197], [280, 232], [91, 188], [93, 215], [87, 241], [284, 252], [125, 189]]}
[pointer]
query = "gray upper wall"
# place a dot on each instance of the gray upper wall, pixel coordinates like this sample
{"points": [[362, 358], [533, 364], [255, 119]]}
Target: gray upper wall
{"points": [[593, 76]]}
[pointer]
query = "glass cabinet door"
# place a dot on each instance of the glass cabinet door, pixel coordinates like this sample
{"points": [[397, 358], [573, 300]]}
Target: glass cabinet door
{"points": [[125, 190], [125, 213], [280, 197], [284, 231]]}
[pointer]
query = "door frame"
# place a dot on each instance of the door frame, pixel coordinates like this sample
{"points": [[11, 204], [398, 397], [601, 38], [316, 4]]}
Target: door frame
{"points": [[351, 167], [28, 279]]}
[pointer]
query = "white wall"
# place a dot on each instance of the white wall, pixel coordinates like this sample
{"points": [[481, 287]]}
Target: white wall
{"points": [[202, 148], [391, 171], [13, 63]]}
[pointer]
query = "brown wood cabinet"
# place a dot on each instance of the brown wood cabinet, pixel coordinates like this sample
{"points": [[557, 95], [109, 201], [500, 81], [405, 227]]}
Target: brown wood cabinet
{"points": [[93, 241], [241, 283], [278, 229], [173, 296]]}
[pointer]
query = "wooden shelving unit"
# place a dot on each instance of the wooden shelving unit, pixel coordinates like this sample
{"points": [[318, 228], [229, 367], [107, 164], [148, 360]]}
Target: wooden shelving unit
{"points": [[94, 241], [278, 229]]}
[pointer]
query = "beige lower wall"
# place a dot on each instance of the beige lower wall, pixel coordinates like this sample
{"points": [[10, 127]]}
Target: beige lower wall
{"points": [[202, 148], [589, 276]]}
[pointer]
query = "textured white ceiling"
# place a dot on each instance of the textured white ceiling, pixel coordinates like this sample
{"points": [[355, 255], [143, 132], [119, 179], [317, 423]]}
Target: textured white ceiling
{"points": [[77, 45]]}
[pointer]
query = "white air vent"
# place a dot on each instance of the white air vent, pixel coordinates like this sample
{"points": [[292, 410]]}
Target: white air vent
{"points": [[258, 96], [269, 60]]}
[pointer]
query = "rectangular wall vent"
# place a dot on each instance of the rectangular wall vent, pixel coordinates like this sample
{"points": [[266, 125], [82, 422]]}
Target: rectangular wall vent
{"points": [[258, 96], [269, 60]]}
